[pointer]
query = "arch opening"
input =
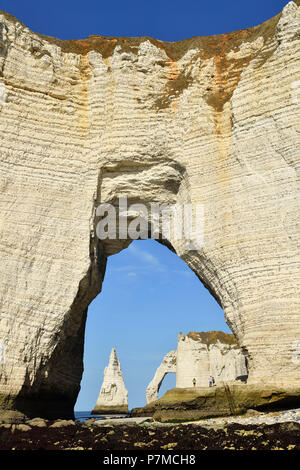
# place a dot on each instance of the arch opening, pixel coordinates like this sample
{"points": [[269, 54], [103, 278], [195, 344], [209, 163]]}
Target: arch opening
{"points": [[161, 181], [168, 382], [149, 295]]}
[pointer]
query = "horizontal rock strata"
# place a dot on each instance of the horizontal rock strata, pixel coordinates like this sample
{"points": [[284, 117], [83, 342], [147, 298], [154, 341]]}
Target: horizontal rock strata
{"points": [[213, 353], [209, 120], [179, 404], [199, 356]]}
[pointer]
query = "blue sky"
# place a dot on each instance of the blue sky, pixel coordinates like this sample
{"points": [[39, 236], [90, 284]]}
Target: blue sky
{"points": [[170, 20], [149, 294]]}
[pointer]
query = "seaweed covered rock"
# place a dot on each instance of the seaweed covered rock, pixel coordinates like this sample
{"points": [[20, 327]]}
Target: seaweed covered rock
{"points": [[179, 404]]}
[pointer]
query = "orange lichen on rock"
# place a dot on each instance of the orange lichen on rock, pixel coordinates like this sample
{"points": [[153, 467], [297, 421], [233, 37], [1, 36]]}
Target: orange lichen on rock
{"points": [[227, 70], [177, 82]]}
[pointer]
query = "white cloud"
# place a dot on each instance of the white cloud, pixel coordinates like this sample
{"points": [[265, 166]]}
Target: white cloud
{"points": [[143, 262], [147, 261], [144, 255], [124, 268], [131, 274]]}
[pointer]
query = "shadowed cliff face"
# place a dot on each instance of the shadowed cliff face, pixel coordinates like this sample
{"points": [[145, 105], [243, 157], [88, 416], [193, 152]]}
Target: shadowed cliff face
{"points": [[209, 120]]}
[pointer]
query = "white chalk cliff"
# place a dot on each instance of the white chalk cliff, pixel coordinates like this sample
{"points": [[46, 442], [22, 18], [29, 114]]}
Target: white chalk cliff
{"points": [[211, 121], [113, 396], [215, 353], [198, 356]]}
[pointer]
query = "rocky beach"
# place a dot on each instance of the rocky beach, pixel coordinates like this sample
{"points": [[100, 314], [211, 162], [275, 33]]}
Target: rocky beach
{"points": [[252, 431], [128, 126]]}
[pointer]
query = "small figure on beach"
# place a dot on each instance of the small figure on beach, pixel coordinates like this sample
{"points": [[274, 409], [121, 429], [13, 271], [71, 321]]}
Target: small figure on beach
{"points": [[194, 382], [2, 352], [211, 381]]}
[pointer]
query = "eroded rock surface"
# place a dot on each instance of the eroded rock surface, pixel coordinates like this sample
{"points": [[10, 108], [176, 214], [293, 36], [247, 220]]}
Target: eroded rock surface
{"points": [[208, 120], [191, 404], [215, 353], [282, 435], [113, 396], [168, 365], [199, 355]]}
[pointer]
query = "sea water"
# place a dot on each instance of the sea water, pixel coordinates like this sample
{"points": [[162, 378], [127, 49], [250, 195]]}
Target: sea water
{"points": [[85, 415]]}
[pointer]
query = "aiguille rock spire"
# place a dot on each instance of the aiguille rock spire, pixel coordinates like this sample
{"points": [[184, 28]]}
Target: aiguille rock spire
{"points": [[113, 396]]}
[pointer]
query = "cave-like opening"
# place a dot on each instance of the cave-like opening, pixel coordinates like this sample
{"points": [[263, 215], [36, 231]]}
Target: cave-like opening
{"points": [[148, 296]]}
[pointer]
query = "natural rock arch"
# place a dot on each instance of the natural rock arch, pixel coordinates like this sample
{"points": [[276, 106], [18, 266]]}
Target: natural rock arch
{"points": [[199, 355], [85, 121], [167, 366]]}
